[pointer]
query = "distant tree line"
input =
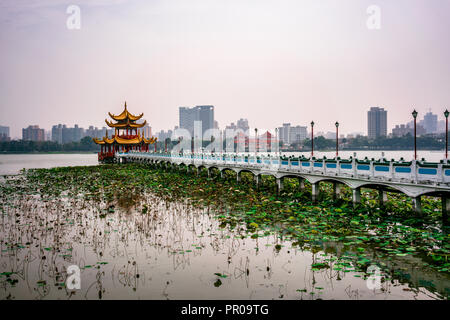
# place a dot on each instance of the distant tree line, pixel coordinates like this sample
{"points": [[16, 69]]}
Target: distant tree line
{"points": [[20, 146], [424, 142]]}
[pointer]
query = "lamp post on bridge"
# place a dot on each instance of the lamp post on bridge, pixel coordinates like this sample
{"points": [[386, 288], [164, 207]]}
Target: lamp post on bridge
{"points": [[446, 113], [256, 141], [276, 140], [337, 138], [414, 114], [312, 139]]}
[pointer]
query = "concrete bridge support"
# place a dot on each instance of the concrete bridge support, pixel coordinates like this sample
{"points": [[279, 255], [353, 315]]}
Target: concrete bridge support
{"points": [[445, 210], [257, 180], [336, 190], [382, 197], [417, 204], [280, 184], [356, 196], [301, 182], [315, 191], [238, 177]]}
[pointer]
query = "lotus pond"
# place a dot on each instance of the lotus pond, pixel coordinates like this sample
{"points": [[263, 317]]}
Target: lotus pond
{"points": [[138, 232]]}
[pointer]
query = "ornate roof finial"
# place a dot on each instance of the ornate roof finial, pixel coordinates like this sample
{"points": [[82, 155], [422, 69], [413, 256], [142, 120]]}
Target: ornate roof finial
{"points": [[125, 105]]}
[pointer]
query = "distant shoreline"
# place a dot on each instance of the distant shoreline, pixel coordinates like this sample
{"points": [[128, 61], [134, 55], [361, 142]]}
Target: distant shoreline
{"points": [[50, 152]]}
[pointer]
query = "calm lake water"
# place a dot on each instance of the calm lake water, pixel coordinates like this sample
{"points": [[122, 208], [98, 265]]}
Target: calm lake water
{"points": [[175, 251], [172, 252], [13, 163]]}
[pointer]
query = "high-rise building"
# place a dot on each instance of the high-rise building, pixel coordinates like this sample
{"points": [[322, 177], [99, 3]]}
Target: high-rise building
{"points": [[206, 116], [376, 122], [242, 124], [57, 133], [188, 116], [283, 133], [147, 131], [430, 122], [33, 133], [297, 134], [4, 133], [403, 130], [63, 134], [163, 135]]}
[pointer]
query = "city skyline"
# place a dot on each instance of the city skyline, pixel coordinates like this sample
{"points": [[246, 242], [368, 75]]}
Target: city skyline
{"points": [[289, 61], [430, 123]]}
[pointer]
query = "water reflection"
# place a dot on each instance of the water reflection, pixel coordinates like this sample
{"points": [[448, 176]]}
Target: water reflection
{"points": [[138, 246]]}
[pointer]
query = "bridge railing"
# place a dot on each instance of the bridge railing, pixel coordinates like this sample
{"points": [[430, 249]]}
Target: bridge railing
{"points": [[413, 171]]}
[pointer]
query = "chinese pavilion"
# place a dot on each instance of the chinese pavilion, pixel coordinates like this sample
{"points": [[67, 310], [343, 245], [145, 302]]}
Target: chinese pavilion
{"points": [[126, 136]]}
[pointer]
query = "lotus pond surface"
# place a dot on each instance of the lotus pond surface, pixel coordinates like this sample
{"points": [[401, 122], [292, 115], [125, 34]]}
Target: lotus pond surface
{"points": [[138, 232]]}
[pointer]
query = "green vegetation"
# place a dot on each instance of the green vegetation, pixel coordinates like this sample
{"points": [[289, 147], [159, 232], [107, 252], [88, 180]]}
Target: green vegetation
{"points": [[86, 144], [369, 233]]}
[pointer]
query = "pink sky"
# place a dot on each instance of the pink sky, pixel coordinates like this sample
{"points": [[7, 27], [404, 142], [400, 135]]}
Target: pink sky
{"points": [[268, 61]]}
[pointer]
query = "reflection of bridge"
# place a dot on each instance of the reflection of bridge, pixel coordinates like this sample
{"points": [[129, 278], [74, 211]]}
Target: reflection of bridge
{"points": [[414, 178]]}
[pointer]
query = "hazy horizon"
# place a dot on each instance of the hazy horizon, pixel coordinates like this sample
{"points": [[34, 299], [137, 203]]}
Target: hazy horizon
{"points": [[268, 61]]}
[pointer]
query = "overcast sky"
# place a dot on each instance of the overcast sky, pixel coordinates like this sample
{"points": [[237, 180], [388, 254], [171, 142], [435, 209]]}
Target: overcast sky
{"points": [[268, 61]]}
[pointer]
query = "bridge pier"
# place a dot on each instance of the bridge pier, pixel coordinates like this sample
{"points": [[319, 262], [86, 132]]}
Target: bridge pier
{"points": [[382, 197], [301, 182], [221, 174], [336, 190], [417, 204], [238, 176], [356, 196], [445, 210], [257, 180], [314, 191], [280, 185]]}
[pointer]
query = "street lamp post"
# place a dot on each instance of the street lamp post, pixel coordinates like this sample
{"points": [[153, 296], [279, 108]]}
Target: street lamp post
{"points": [[256, 141], [414, 114], [312, 139], [337, 138], [446, 113], [276, 140]]}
